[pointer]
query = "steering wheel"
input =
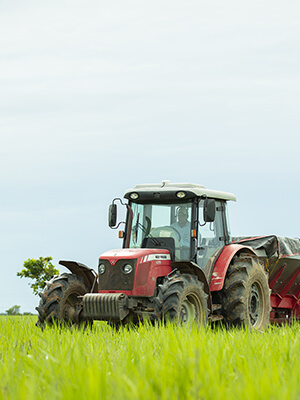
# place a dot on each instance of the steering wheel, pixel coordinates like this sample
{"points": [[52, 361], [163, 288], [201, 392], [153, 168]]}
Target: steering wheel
{"points": [[168, 231], [160, 232], [174, 229]]}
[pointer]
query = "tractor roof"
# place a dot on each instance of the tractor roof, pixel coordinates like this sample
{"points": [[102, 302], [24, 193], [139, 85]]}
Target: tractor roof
{"points": [[166, 187]]}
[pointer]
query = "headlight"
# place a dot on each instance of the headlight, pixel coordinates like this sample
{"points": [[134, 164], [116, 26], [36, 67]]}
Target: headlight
{"points": [[127, 268], [134, 196], [180, 195], [101, 269]]}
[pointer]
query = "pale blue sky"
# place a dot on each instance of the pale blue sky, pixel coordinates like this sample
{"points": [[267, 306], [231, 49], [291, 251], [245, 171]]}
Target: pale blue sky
{"points": [[98, 96]]}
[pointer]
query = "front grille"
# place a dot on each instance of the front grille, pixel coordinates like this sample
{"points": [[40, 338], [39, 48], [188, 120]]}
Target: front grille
{"points": [[113, 277]]}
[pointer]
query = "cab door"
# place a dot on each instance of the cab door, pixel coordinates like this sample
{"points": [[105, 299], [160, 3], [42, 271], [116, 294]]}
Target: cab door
{"points": [[211, 238]]}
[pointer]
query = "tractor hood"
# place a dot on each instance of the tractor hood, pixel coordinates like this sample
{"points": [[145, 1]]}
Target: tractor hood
{"points": [[141, 254], [132, 271]]}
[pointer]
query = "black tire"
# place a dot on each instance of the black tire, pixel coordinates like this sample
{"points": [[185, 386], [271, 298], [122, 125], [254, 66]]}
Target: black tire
{"points": [[246, 295], [60, 301], [181, 299]]}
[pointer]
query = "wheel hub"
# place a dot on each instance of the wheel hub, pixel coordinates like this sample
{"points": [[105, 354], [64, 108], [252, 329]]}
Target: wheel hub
{"points": [[187, 313], [191, 309], [255, 304], [71, 308]]}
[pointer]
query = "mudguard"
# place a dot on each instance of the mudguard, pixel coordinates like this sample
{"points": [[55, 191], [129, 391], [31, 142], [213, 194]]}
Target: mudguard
{"points": [[87, 274], [189, 267], [222, 264]]}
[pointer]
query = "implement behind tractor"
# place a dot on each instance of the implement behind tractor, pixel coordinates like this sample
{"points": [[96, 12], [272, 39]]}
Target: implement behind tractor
{"points": [[179, 263]]}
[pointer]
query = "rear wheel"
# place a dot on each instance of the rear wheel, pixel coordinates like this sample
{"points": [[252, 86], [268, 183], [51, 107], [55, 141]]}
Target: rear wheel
{"points": [[246, 295], [60, 301], [181, 299]]}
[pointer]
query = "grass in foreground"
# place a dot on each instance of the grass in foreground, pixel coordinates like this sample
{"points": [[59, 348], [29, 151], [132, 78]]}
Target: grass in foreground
{"points": [[147, 362]]}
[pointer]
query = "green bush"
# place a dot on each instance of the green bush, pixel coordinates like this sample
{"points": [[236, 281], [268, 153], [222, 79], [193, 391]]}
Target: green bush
{"points": [[40, 270]]}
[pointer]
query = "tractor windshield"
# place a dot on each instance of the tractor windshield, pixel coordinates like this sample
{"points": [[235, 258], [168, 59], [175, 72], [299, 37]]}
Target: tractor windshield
{"points": [[162, 225]]}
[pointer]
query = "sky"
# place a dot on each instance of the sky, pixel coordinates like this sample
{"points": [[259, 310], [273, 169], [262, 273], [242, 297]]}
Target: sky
{"points": [[98, 96]]}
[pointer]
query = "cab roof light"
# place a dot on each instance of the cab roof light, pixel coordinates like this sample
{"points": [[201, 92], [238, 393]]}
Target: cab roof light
{"points": [[181, 195], [134, 196]]}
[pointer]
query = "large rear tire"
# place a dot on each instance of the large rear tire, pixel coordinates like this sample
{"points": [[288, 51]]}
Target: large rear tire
{"points": [[181, 299], [60, 303], [246, 295]]}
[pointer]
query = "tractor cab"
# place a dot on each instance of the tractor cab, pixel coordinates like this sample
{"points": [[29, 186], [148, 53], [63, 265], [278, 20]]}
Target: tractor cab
{"points": [[188, 220]]}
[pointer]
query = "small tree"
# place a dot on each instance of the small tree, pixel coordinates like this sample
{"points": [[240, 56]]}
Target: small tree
{"points": [[40, 271], [14, 310]]}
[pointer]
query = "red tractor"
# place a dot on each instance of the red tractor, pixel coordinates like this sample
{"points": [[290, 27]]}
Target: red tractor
{"points": [[178, 263]]}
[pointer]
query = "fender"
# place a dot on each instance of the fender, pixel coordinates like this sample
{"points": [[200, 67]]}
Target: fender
{"points": [[223, 262], [190, 267], [88, 275]]}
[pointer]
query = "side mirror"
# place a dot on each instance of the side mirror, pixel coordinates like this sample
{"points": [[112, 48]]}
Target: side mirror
{"points": [[112, 215], [209, 210]]}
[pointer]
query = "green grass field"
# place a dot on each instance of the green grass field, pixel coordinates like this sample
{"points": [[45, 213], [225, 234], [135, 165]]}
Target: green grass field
{"points": [[147, 362]]}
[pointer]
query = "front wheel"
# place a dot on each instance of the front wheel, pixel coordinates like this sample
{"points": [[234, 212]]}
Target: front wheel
{"points": [[61, 301], [246, 295], [182, 300]]}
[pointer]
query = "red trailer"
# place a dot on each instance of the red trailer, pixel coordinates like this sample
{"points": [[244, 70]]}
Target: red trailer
{"points": [[280, 257], [180, 263]]}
